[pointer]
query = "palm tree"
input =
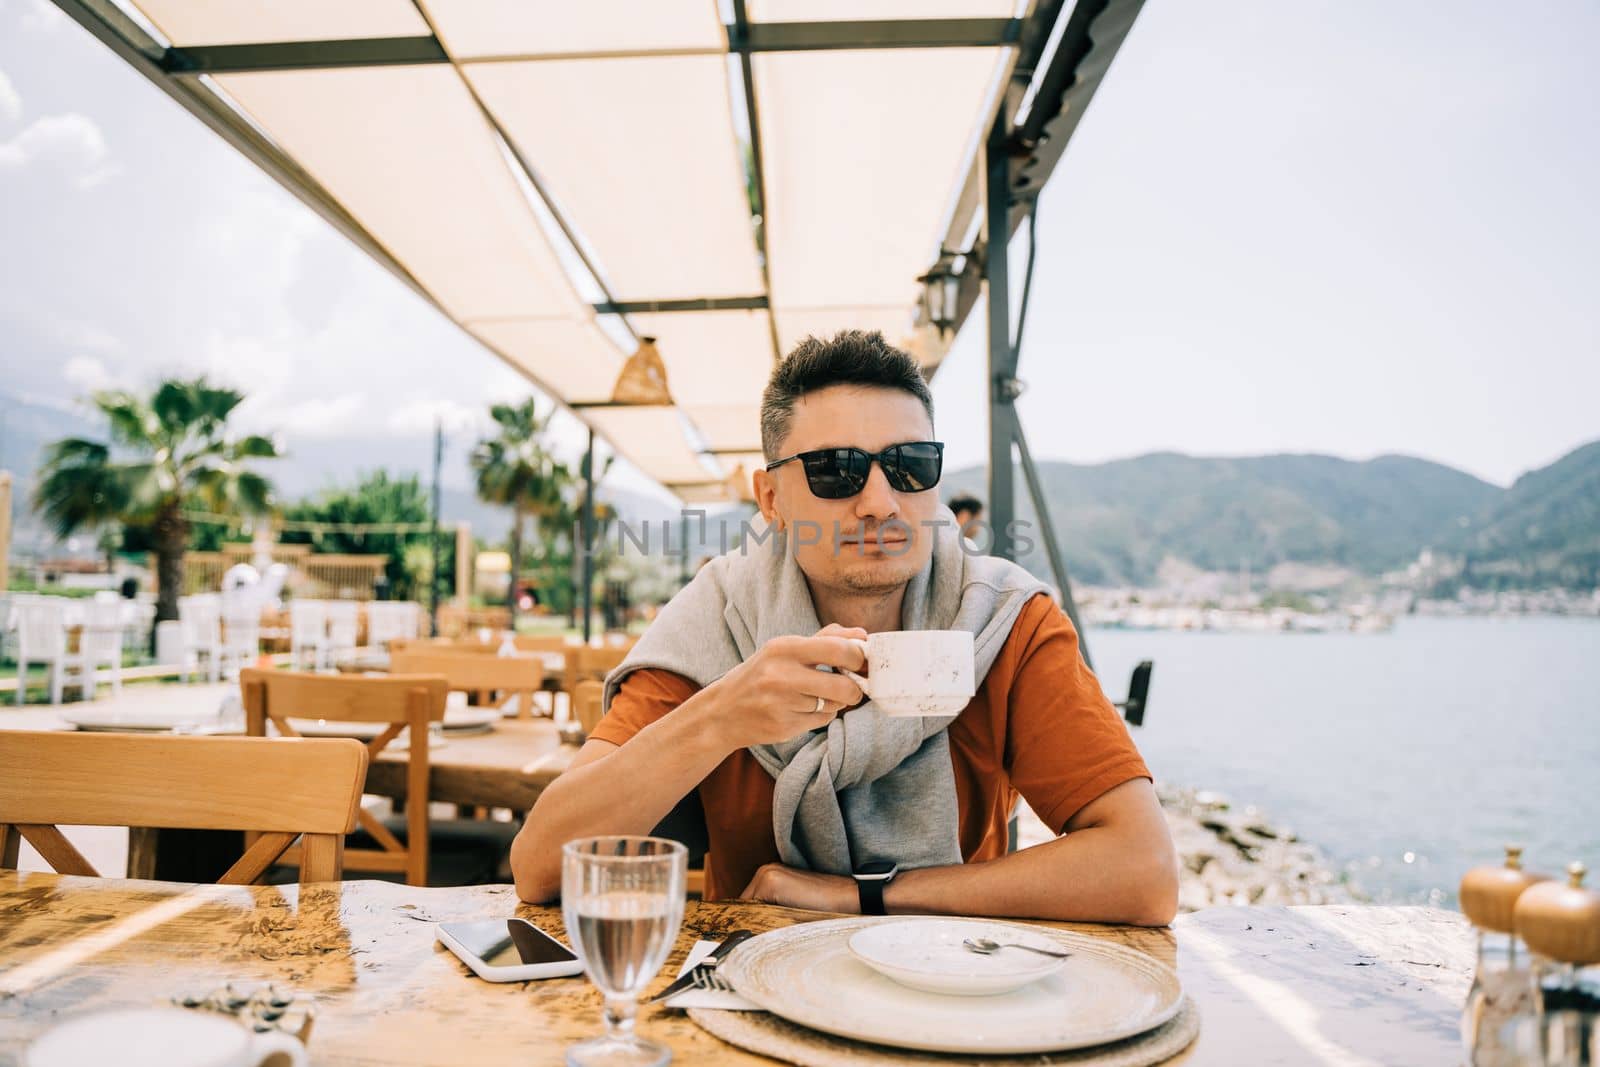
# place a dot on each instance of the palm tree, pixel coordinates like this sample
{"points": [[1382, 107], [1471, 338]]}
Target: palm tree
{"points": [[172, 449], [516, 470]]}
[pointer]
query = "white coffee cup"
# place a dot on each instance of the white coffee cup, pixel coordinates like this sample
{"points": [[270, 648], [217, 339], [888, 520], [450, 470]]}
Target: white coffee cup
{"points": [[162, 1037], [918, 672]]}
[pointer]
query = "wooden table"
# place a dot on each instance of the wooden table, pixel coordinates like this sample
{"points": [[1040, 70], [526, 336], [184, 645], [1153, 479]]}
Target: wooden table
{"points": [[507, 767], [376, 660], [1329, 985]]}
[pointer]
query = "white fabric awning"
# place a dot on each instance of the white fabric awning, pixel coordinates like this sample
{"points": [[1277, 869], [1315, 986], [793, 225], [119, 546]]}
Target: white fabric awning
{"points": [[532, 166]]}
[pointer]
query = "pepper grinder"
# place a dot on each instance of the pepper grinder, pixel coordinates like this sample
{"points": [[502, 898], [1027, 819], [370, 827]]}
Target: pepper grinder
{"points": [[1561, 925], [1497, 1023]]}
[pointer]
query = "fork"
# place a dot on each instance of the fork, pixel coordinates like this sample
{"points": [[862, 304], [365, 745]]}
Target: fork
{"points": [[711, 982]]}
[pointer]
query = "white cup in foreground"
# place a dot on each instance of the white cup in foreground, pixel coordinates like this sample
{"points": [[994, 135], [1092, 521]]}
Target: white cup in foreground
{"points": [[918, 672], [161, 1037]]}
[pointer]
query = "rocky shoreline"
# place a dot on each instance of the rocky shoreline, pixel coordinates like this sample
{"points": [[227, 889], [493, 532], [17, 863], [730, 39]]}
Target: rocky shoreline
{"points": [[1231, 855], [1234, 855]]}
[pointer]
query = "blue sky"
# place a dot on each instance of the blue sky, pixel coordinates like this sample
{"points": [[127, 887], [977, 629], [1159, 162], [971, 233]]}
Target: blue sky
{"points": [[1351, 228]]}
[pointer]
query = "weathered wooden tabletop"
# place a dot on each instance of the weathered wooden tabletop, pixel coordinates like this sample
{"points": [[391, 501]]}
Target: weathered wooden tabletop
{"points": [[1329, 985]]}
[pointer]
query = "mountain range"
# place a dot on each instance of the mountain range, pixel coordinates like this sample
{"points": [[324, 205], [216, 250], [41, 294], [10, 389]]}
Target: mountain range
{"points": [[1117, 522], [1544, 530]]}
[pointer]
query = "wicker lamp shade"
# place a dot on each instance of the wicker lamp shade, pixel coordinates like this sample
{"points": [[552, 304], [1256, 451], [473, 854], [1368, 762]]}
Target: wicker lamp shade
{"points": [[1489, 894], [1562, 921]]}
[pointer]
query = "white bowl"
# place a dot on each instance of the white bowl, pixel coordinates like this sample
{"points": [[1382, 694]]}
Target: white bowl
{"points": [[928, 954]]}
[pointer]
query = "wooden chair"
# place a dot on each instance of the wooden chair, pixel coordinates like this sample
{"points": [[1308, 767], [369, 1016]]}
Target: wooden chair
{"points": [[585, 663], [544, 643], [461, 645], [397, 701], [471, 672], [587, 698], [281, 789], [547, 643]]}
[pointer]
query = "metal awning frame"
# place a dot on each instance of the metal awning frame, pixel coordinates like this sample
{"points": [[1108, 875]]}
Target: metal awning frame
{"points": [[184, 73], [1001, 192], [1034, 120]]}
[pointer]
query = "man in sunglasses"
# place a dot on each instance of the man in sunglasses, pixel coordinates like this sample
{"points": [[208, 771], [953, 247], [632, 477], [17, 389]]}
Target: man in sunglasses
{"points": [[812, 798]]}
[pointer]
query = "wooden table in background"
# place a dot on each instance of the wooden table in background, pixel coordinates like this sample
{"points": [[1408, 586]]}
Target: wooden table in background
{"points": [[1329, 985], [507, 767]]}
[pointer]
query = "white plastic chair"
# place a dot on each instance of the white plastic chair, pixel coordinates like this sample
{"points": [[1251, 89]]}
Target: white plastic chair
{"points": [[308, 633], [138, 620], [200, 620], [100, 644], [380, 623], [344, 624], [390, 620], [41, 627], [241, 633], [410, 615], [8, 621]]}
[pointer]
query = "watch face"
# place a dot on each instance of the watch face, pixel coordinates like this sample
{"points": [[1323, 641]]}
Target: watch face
{"points": [[877, 869]]}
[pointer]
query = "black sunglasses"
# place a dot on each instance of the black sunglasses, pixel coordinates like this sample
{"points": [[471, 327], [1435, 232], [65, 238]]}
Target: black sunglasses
{"points": [[837, 473]]}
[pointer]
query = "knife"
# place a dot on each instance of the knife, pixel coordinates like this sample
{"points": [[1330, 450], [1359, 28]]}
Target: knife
{"points": [[686, 979]]}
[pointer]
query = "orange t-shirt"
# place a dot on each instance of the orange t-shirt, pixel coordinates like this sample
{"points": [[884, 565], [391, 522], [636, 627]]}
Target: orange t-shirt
{"points": [[1039, 726]]}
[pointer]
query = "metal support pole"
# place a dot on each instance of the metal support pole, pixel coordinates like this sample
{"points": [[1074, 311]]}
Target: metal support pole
{"points": [[1005, 428], [1047, 530], [463, 564], [433, 533], [587, 547], [1002, 357]]}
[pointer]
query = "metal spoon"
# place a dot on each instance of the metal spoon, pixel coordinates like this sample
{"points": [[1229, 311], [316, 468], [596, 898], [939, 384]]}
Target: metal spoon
{"points": [[983, 946]]}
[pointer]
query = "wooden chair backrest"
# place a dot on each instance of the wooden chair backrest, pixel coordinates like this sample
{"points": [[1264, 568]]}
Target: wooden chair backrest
{"points": [[543, 643], [586, 663], [397, 700], [523, 642], [587, 699], [459, 645], [470, 672], [282, 788]]}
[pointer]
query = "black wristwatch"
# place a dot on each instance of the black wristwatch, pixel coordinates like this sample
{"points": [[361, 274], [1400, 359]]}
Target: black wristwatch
{"points": [[871, 880]]}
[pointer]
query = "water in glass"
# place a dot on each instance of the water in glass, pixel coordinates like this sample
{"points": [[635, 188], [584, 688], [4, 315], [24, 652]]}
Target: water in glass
{"points": [[622, 898]]}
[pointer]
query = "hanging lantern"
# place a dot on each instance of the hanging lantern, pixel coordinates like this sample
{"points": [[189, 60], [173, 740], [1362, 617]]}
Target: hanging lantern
{"points": [[941, 287], [644, 377]]}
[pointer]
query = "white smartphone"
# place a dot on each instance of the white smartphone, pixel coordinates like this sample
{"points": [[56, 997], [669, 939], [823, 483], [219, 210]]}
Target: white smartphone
{"points": [[508, 950]]}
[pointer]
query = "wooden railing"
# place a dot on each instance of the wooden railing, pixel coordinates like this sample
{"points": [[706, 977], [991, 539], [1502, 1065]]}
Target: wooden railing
{"points": [[324, 576]]}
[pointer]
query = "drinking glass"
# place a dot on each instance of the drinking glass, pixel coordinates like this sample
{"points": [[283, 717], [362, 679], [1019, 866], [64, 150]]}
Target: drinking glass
{"points": [[622, 898]]}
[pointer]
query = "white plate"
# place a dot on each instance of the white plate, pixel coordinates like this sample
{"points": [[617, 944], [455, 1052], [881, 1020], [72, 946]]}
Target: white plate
{"points": [[470, 720], [143, 720], [806, 974], [929, 955], [456, 720]]}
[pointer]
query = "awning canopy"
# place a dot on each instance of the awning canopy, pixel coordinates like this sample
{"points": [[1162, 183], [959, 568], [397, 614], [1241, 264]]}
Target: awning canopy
{"points": [[565, 179]]}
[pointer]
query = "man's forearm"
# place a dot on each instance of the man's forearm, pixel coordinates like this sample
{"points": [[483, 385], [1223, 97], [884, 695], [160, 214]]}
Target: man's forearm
{"points": [[1091, 875], [628, 791]]}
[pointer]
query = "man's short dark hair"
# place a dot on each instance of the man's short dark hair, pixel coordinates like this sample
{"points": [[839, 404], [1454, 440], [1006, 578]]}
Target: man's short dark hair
{"points": [[966, 502], [850, 357]]}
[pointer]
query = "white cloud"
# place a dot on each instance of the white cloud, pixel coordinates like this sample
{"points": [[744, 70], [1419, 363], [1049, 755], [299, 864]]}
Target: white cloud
{"points": [[10, 101], [74, 334], [322, 417], [71, 141], [88, 374], [419, 416]]}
